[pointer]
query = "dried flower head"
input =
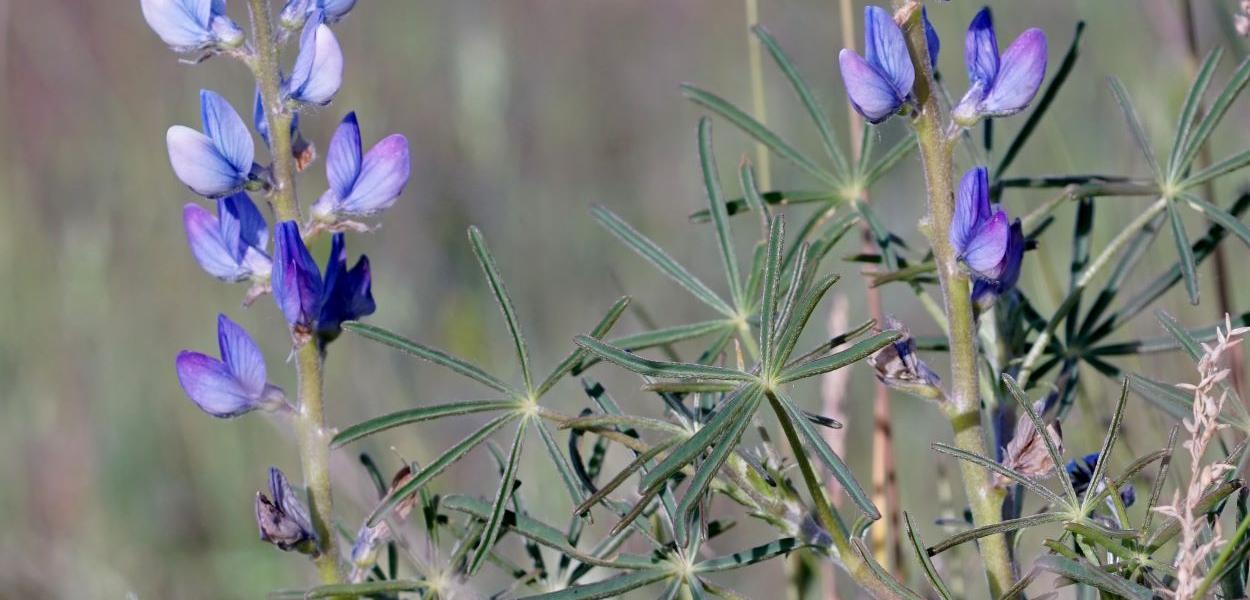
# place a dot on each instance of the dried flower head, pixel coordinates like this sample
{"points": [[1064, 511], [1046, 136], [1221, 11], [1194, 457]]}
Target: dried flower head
{"points": [[1026, 453], [899, 367]]}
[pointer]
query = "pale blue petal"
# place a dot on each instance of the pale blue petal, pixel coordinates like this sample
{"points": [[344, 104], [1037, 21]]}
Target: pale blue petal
{"points": [[336, 9], [183, 24], [1019, 77], [227, 130], [886, 49], [210, 384], [972, 206], [253, 230], [343, 157], [870, 93], [208, 247], [981, 49], [242, 356], [318, 69], [984, 252], [197, 162], [383, 174]]}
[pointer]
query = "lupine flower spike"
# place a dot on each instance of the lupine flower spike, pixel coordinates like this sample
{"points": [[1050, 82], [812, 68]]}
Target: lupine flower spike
{"points": [[217, 161], [296, 12], [361, 185], [230, 246], [283, 521], [235, 384], [1000, 85], [192, 25], [318, 69], [879, 82]]}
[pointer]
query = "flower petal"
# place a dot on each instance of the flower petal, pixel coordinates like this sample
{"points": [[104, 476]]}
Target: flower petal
{"points": [[295, 280], [930, 37], [972, 206], [198, 164], [886, 49], [242, 356], [348, 294], [985, 250], [318, 69], [207, 245], [981, 49], [211, 385], [383, 175], [336, 9], [343, 156], [240, 210], [227, 130], [183, 24], [870, 93], [1020, 76]]}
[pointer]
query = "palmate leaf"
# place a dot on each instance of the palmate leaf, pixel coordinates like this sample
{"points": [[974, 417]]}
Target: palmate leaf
{"points": [[708, 468], [495, 520], [1081, 571], [416, 415], [1194, 142], [659, 368], [433, 355], [787, 410], [1193, 100], [500, 291]]}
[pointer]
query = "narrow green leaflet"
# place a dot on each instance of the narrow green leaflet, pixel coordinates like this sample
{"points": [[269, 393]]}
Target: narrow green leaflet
{"points": [[1042, 103], [707, 470], [805, 96], [1188, 268], [1216, 113], [752, 556], [365, 589], [758, 131], [658, 368], [1134, 124], [495, 520], [608, 588], [1193, 100], [382, 423], [433, 355], [1220, 216], [994, 528], [918, 548], [716, 204], [813, 442], [500, 291], [837, 360], [656, 256], [1081, 571], [992, 465]]}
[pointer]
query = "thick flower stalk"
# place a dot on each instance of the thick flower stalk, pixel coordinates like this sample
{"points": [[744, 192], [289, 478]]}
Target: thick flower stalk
{"points": [[216, 162], [969, 238]]}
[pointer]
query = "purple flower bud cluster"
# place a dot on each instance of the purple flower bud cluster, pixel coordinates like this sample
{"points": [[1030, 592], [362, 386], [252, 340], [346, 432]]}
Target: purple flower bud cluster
{"points": [[232, 242], [879, 83]]}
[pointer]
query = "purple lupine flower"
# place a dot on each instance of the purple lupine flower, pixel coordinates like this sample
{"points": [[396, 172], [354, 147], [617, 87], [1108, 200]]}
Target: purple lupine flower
{"points": [[361, 185], [231, 245], [217, 161], [1000, 85], [347, 294], [985, 291], [978, 231], [296, 12], [931, 37], [318, 69], [192, 25], [879, 82], [234, 385], [295, 279], [284, 521]]}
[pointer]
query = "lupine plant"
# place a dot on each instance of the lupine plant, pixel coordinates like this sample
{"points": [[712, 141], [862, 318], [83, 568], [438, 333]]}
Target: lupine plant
{"points": [[1032, 518]]}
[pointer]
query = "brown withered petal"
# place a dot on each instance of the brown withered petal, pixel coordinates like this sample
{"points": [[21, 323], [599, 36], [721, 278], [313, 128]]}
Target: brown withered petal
{"points": [[276, 527], [1026, 453]]}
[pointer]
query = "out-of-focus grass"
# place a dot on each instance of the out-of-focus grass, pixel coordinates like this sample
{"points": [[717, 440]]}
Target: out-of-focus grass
{"points": [[520, 115]]}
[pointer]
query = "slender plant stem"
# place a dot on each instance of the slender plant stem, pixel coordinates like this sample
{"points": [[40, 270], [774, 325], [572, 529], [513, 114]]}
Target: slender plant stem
{"points": [[963, 408], [314, 444], [852, 561], [266, 68], [755, 57]]}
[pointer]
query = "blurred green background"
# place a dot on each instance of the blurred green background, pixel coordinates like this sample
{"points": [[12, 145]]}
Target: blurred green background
{"points": [[520, 114]]}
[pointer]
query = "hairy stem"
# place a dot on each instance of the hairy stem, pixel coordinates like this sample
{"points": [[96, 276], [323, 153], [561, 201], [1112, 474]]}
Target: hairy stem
{"points": [[963, 407], [266, 68], [314, 444]]}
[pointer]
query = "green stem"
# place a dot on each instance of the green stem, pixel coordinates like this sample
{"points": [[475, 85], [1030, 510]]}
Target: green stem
{"points": [[314, 444], [854, 563], [963, 407], [1225, 554], [267, 70]]}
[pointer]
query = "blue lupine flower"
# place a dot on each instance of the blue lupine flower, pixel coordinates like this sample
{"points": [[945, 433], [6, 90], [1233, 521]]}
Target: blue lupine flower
{"points": [[318, 69], [295, 279], [1081, 472], [232, 386], [879, 82], [985, 291], [361, 185], [218, 161], [231, 245], [296, 12], [191, 25], [1000, 85], [347, 294], [283, 521], [979, 231], [930, 37]]}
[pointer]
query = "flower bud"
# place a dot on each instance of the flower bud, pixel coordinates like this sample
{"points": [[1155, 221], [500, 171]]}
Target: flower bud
{"points": [[999, 85], [880, 81], [1027, 454], [899, 367], [283, 521]]}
